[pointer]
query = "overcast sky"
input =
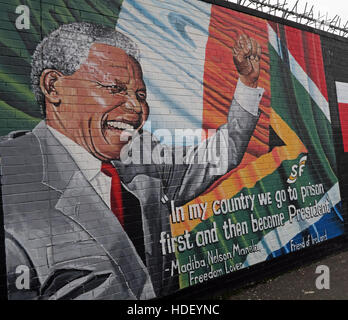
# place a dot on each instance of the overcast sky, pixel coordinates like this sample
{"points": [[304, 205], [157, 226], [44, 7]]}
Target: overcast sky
{"points": [[332, 7]]}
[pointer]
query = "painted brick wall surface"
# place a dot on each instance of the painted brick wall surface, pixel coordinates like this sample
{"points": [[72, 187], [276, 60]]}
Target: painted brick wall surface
{"points": [[168, 144]]}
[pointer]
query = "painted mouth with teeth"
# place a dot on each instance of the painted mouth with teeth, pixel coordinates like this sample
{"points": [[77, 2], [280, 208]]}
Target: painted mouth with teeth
{"points": [[113, 124], [119, 126]]}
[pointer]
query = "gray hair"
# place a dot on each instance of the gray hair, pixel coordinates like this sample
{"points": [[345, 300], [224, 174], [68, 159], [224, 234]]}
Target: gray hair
{"points": [[66, 48]]}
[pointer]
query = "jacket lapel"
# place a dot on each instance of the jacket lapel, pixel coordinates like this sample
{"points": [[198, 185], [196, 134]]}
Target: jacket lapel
{"points": [[80, 203]]}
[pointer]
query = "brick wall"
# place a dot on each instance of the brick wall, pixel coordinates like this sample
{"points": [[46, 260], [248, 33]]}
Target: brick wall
{"points": [[192, 142]]}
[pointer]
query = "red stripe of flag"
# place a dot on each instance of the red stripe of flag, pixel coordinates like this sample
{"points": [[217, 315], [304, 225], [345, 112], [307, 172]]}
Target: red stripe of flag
{"points": [[343, 110], [306, 48]]}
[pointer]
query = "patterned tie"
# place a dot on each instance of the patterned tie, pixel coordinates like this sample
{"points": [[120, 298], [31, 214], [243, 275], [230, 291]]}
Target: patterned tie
{"points": [[116, 191]]}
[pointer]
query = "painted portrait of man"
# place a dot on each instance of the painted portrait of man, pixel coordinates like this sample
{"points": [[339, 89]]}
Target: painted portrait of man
{"points": [[84, 223]]}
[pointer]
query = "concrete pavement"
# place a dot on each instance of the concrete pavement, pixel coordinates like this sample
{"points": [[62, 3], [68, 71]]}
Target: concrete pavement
{"points": [[300, 284]]}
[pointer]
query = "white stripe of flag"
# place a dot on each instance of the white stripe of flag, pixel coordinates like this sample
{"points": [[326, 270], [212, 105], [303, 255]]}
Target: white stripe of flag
{"points": [[342, 92]]}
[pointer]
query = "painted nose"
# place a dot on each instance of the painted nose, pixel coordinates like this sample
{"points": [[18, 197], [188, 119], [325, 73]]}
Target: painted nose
{"points": [[132, 103]]}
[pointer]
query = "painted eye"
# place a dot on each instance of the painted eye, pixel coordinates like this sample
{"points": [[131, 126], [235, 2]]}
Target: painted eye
{"points": [[114, 89], [141, 95]]}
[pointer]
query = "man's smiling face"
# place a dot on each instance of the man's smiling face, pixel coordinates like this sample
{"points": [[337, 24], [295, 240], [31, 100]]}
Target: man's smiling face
{"points": [[104, 97]]}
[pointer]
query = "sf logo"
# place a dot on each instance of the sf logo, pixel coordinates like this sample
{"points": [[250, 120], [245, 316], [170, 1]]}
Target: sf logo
{"points": [[297, 170]]}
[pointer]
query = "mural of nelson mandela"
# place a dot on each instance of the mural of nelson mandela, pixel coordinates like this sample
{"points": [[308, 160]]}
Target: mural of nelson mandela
{"points": [[84, 223]]}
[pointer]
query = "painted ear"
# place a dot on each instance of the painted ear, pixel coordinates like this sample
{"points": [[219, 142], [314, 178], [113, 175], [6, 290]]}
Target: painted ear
{"points": [[48, 85]]}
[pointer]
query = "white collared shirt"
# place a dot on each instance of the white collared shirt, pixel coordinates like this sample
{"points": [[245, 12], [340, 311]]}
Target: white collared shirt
{"points": [[248, 98], [88, 164]]}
